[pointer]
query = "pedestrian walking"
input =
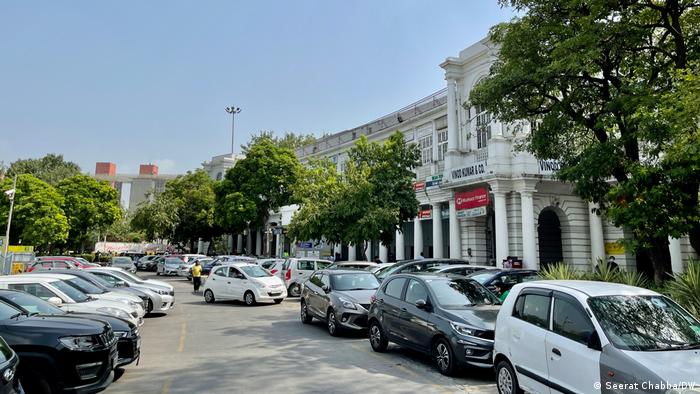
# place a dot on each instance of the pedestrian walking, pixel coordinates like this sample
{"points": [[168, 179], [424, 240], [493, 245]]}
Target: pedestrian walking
{"points": [[196, 276]]}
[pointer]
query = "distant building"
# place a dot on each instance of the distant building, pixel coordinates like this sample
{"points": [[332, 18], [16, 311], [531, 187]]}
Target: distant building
{"points": [[139, 187], [218, 165]]}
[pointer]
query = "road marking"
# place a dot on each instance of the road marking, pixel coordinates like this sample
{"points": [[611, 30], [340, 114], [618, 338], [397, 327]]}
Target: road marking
{"points": [[183, 333], [166, 386]]}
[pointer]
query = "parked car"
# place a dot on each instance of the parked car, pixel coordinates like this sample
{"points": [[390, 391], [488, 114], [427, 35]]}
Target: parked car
{"points": [[123, 262], [86, 263], [339, 297], [505, 277], [274, 266], [68, 297], [245, 282], [147, 263], [96, 292], [129, 341], [421, 265], [564, 336], [9, 361], [161, 294], [168, 265], [357, 265], [297, 271], [185, 269], [57, 262], [62, 353], [377, 268], [458, 269], [450, 318]]}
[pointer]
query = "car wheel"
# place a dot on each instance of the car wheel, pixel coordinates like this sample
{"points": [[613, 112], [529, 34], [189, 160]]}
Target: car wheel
{"points": [[506, 380], [294, 290], [157, 273], [34, 383], [249, 298], [209, 296], [305, 316], [377, 338], [332, 323], [149, 307], [444, 357], [279, 300]]}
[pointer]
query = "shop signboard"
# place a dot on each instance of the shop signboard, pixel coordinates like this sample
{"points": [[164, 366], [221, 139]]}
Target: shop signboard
{"points": [[467, 172], [614, 248], [548, 167], [419, 186], [472, 199], [472, 213], [425, 214], [433, 182]]}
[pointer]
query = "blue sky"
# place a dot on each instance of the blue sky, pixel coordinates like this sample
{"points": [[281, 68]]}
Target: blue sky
{"points": [[135, 82]]}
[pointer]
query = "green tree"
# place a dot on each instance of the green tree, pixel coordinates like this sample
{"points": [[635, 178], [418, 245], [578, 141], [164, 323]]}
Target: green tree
{"points": [[38, 218], [288, 141], [370, 200], [600, 77], [259, 183], [121, 231], [51, 168], [90, 205], [156, 218]]}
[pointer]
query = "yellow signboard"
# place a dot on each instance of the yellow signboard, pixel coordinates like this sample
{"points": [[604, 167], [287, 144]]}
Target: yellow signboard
{"points": [[614, 248], [17, 268], [20, 249]]}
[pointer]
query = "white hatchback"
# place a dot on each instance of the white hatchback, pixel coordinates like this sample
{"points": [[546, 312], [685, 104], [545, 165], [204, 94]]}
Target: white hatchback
{"points": [[244, 282], [594, 337]]}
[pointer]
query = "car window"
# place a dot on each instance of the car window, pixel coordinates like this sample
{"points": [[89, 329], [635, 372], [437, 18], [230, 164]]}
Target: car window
{"points": [[305, 265], [529, 277], [322, 264], [109, 278], [532, 308], [75, 294], [508, 279], [268, 264], [415, 291], [569, 320], [235, 273], [354, 281], [34, 289], [60, 264], [46, 264], [394, 287], [326, 281], [32, 303], [254, 271], [460, 293], [286, 264], [220, 271], [7, 311], [413, 268], [316, 279]]}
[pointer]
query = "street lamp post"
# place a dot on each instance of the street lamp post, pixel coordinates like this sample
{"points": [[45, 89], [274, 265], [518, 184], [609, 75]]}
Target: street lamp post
{"points": [[11, 195], [233, 110]]}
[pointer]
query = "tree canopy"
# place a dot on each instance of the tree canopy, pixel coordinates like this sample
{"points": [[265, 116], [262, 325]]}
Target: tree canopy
{"points": [[51, 168], [368, 201], [288, 141], [613, 88]]}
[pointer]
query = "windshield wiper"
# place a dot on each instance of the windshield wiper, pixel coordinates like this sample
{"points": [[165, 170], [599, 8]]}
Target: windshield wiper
{"points": [[16, 315]]}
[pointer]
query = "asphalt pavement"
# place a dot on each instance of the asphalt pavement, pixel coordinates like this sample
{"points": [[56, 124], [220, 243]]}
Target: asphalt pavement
{"points": [[228, 347]]}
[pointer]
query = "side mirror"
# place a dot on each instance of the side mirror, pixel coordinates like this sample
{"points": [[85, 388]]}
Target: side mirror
{"points": [[594, 341], [326, 288], [56, 301], [422, 304]]}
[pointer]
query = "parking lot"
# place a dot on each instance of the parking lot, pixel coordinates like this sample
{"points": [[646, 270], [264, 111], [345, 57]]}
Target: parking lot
{"points": [[228, 347]]}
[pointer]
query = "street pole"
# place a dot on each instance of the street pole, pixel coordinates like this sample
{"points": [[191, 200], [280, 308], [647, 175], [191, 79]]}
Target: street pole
{"points": [[11, 195], [233, 110]]}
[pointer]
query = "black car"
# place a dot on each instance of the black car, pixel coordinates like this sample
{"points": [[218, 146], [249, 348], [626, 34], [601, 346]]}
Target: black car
{"points": [[449, 317], [129, 341], [207, 267], [9, 380], [508, 277], [419, 265], [59, 353]]}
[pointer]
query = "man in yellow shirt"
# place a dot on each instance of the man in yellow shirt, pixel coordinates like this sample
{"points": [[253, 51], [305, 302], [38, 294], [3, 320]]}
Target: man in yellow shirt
{"points": [[196, 276]]}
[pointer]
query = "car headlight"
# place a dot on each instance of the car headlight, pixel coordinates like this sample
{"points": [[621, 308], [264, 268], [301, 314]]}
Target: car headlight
{"points": [[116, 312], [464, 329], [79, 342], [347, 304], [162, 292], [121, 334]]}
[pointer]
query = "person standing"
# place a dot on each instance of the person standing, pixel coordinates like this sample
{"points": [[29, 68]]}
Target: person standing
{"points": [[196, 276]]}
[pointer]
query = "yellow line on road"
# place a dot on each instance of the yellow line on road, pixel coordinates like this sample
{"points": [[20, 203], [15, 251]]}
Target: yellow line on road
{"points": [[166, 386], [183, 333]]}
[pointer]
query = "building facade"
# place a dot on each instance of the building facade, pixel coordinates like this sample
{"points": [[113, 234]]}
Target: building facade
{"points": [[136, 188], [482, 198]]}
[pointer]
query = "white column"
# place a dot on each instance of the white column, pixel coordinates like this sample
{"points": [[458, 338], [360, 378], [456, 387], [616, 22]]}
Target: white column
{"points": [[229, 243], [417, 238], [258, 243], [278, 245], [528, 216], [437, 231], [595, 224], [452, 126], [676, 255], [502, 247], [239, 244], [337, 249], [383, 253], [200, 245], [352, 252], [400, 253], [368, 251], [455, 236]]}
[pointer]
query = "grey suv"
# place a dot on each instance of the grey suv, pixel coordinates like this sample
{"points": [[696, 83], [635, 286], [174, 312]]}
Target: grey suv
{"points": [[341, 298]]}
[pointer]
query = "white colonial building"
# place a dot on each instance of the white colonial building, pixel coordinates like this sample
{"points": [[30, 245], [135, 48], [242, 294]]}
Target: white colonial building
{"points": [[483, 199]]}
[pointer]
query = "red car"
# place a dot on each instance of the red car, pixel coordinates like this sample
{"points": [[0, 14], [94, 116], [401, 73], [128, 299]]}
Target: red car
{"points": [[58, 263]]}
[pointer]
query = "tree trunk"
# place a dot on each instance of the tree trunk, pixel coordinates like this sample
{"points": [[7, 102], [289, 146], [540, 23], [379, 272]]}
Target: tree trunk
{"points": [[660, 257]]}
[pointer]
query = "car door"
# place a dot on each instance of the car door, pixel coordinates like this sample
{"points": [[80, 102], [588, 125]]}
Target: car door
{"points": [[218, 282], [304, 270], [391, 303], [527, 332], [313, 289], [567, 345], [413, 322], [237, 283]]}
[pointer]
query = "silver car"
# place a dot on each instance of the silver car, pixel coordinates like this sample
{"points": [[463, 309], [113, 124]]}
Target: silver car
{"points": [[125, 263], [341, 298], [161, 295]]}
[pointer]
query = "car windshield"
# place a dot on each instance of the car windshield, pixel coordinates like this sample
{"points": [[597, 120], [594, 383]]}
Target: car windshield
{"points": [[7, 311], [254, 271], [354, 281], [127, 276], [32, 304], [98, 281], [75, 294], [460, 293], [121, 260], [645, 323], [481, 277], [173, 261], [85, 286]]}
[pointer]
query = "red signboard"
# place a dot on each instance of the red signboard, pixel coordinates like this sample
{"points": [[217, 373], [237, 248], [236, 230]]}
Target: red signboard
{"points": [[425, 214], [472, 199], [419, 186]]}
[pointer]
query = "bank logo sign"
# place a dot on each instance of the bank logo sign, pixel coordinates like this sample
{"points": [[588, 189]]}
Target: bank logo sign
{"points": [[472, 203], [467, 172]]}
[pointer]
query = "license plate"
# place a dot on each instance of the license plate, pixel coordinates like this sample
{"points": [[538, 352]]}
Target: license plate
{"points": [[275, 294]]}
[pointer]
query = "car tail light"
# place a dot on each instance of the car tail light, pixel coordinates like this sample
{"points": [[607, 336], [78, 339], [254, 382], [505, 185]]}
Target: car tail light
{"points": [[30, 269], [274, 271], [373, 299], [288, 275]]}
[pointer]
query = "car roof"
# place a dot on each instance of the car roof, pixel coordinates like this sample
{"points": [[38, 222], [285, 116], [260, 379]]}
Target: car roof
{"points": [[50, 275], [55, 257], [346, 271], [98, 269], [239, 264], [590, 288], [355, 262], [453, 266], [429, 275], [27, 278]]}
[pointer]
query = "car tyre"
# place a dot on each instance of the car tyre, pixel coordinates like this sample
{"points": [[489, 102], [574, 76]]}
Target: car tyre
{"points": [[279, 300], [294, 290], [32, 382], [506, 380], [444, 357], [249, 298], [149, 306], [304, 313], [209, 297], [332, 323], [377, 338]]}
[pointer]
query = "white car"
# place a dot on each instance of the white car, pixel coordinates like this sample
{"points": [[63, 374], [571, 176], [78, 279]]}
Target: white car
{"points": [[94, 291], [594, 337], [272, 265], [68, 297], [161, 294], [169, 266], [244, 282], [297, 271]]}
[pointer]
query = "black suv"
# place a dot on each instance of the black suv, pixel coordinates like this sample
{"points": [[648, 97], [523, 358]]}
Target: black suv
{"points": [[9, 381], [129, 341], [449, 317], [59, 353]]}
